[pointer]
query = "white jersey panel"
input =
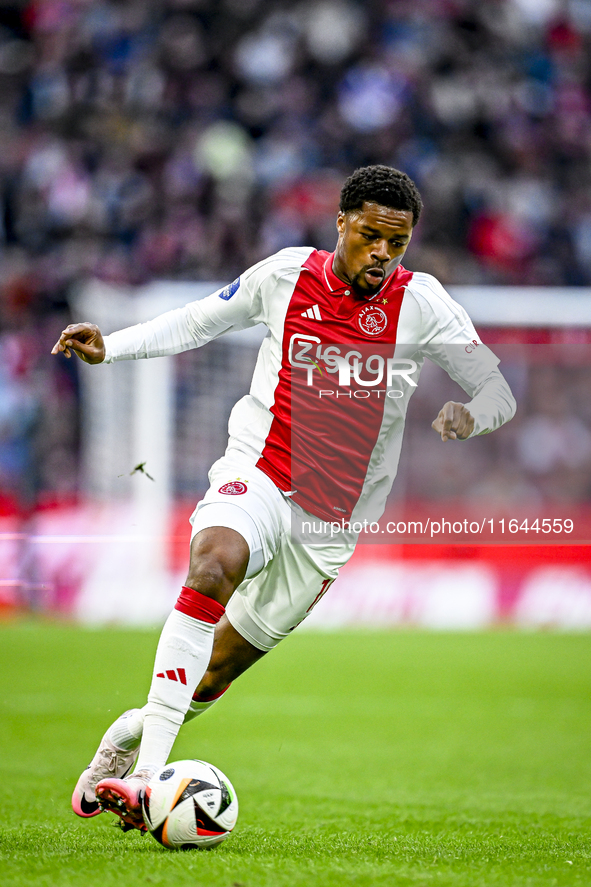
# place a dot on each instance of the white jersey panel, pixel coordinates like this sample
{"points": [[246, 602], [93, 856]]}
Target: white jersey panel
{"points": [[432, 325], [250, 419]]}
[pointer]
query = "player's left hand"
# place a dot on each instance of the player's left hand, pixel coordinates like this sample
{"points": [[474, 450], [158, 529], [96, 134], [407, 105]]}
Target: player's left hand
{"points": [[454, 422]]}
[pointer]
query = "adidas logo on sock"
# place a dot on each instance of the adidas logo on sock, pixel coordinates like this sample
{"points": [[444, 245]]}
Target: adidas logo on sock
{"points": [[172, 674], [313, 313]]}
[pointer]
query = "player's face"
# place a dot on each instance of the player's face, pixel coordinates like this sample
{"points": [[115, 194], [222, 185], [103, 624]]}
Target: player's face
{"points": [[372, 241]]}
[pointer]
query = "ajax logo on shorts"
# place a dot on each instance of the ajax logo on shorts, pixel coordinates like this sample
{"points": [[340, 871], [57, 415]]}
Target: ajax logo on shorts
{"points": [[233, 488], [372, 320]]}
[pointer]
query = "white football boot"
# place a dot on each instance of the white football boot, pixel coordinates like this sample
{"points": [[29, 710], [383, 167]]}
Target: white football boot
{"points": [[109, 760]]}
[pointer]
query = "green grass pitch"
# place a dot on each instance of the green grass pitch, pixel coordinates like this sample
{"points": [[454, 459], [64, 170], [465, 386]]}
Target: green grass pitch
{"points": [[386, 758]]}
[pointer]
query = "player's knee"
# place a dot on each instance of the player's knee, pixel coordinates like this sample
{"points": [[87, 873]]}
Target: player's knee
{"points": [[216, 567], [209, 577]]}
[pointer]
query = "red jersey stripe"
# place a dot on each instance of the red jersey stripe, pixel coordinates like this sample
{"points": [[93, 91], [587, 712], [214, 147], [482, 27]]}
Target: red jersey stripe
{"points": [[320, 444]]}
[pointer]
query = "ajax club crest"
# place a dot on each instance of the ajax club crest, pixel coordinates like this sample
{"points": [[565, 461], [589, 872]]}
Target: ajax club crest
{"points": [[233, 488], [372, 320]]}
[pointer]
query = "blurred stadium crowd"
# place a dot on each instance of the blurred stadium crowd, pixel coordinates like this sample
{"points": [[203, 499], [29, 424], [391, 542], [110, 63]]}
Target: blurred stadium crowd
{"points": [[189, 138]]}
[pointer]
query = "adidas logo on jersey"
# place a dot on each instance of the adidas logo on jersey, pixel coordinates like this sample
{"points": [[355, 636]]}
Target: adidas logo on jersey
{"points": [[313, 313]]}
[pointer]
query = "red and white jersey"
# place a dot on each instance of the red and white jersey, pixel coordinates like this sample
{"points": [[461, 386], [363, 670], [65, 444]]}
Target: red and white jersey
{"points": [[325, 414]]}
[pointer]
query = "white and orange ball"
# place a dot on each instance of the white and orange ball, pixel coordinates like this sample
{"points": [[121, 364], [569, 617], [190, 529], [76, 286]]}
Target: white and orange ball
{"points": [[190, 804]]}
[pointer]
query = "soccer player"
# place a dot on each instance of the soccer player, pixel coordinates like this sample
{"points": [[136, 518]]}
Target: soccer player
{"points": [[317, 437]]}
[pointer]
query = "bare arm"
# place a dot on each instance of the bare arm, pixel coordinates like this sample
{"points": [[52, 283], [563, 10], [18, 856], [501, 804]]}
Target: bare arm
{"points": [[84, 339]]}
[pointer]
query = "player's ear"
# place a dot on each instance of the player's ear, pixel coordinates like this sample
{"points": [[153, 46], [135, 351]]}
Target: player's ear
{"points": [[341, 222]]}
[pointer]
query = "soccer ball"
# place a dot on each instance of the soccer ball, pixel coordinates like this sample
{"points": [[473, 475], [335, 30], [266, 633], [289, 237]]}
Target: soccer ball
{"points": [[190, 804]]}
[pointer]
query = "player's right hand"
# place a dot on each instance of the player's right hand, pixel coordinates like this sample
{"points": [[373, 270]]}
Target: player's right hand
{"points": [[454, 422], [84, 339]]}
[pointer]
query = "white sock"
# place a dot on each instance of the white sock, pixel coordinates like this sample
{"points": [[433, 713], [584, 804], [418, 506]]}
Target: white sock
{"points": [[126, 731], [182, 657]]}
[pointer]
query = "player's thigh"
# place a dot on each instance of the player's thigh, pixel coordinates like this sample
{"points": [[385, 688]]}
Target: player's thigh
{"points": [[243, 499], [268, 607]]}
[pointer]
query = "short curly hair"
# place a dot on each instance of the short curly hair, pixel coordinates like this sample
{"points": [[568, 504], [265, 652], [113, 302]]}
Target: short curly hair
{"points": [[383, 185]]}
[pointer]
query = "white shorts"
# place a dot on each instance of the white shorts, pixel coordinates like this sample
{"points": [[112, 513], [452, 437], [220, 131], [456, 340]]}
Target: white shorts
{"points": [[284, 579]]}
